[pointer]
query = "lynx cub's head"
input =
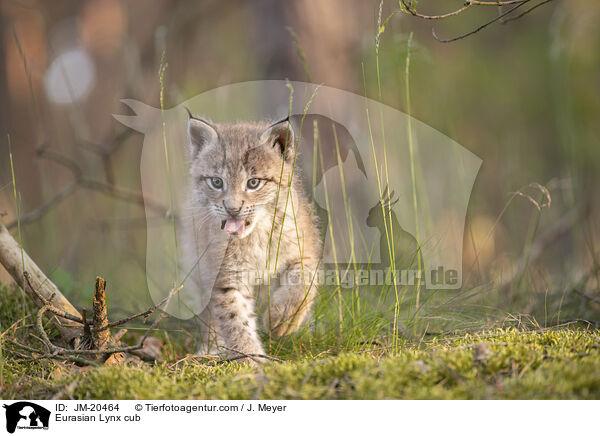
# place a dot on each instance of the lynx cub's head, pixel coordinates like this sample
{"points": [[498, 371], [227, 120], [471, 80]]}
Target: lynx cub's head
{"points": [[237, 172]]}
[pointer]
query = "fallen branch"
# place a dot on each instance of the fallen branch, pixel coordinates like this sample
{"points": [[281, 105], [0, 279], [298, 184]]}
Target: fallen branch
{"points": [[82, 337], [17, 262], [104, 349]]}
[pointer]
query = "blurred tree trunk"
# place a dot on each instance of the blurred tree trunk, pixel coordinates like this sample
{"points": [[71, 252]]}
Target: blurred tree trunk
{"points": [[326, 33], [4, 97], [275, 45]]}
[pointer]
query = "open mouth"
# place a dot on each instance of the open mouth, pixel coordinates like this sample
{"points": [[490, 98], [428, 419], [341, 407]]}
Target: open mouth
{"points": [[234, 226]]}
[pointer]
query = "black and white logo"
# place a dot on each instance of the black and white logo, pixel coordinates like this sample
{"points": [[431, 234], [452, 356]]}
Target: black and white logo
{"points": [[26, 415]]}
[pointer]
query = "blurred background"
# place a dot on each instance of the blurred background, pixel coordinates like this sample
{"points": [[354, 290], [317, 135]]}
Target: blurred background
{"points": [[524, 97]]}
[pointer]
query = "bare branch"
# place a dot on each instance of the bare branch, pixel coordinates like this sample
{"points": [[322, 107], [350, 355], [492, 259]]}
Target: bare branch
{"points": [[414, 13], [526, 12], [480, 28], [64, 161], [39, 212], [80, 181], [587, 297], [124, 194], [407, 7], [466, 6]]}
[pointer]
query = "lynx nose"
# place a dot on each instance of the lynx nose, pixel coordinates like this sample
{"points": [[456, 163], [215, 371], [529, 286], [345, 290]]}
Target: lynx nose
{"points": [[231, 210]]}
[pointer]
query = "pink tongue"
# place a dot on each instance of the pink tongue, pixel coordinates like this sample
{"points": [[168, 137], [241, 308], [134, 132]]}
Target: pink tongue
{"points": [[234, 226]]}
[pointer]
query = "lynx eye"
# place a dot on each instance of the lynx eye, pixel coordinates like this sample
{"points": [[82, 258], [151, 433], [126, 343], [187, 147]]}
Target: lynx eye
{"points": [[215, 183], [253, 184]]}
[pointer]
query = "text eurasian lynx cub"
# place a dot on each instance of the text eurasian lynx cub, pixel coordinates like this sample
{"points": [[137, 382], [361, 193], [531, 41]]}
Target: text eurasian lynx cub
{"points": [[244, 182]]}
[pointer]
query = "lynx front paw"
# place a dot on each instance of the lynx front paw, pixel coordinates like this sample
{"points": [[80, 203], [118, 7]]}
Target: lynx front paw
{"points": [[253, 362], [208, 350]]}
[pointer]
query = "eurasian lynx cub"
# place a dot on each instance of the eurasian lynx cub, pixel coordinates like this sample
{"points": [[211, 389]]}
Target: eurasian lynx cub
{"points": [[244, 182]]}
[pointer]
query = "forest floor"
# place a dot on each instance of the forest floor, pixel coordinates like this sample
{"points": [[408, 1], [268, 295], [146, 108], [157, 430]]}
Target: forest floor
{"points": [[557, 363]]}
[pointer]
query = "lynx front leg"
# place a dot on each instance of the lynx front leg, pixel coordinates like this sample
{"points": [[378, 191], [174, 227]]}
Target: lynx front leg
{"points": [[210, 338], [234, 316], [290, 303]]}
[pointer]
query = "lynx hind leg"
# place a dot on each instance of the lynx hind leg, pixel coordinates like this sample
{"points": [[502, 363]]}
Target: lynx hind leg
{"points": [[234, 316], [289, 306]]}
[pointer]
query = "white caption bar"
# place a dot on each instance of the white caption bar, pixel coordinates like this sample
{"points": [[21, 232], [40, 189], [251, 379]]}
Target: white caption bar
{"points": [[167, 417]]}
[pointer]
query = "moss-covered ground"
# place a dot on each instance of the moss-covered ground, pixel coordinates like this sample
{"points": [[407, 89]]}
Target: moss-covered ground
{"points": [[558, 363]]}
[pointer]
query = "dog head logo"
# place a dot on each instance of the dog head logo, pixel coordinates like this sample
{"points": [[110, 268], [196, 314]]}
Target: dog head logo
{"points": [[391, 192], [27, 415]]}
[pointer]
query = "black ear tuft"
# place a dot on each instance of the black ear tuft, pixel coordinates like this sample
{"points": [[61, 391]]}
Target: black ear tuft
{"points": [[201, 133], [281, 136]]}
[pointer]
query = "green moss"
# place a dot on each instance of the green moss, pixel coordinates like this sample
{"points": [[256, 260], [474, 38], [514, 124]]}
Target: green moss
{"points": [[498, 364], [554, 364]]}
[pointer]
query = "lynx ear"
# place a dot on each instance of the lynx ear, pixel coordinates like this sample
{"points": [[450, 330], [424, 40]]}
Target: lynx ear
{"points": [[201, 133], [281, 137]]}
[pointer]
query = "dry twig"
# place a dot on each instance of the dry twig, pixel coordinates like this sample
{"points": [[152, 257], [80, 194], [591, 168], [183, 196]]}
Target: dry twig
{"points": [[241, 355]]}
